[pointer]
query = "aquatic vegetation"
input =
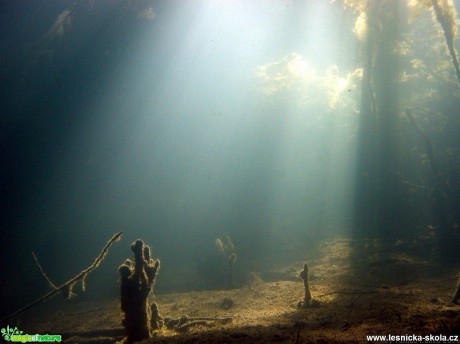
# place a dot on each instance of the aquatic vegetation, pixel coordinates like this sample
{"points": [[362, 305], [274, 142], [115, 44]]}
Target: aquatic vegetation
{"points": [[445, 14], [293, 78], [360, 7], [137, 278], [360, 28]]}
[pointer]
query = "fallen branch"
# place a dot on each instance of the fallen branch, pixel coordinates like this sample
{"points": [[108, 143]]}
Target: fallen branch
{"points": [[67, 287], [350, 292], [185, 327], [184, 323]]}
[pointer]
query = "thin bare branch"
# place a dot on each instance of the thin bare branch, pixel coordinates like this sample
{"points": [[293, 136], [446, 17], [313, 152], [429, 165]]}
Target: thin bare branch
{"points": [[66, 288], [52, 285]]}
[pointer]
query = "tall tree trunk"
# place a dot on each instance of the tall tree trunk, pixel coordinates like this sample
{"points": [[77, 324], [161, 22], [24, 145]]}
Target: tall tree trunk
{"points": [[377, 208]]}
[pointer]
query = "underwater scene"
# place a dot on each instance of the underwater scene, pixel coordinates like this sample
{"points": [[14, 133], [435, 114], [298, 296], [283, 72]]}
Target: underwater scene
{"points": [[229, 171]]}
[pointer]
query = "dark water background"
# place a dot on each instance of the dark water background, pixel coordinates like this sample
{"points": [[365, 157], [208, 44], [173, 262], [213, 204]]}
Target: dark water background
{"points": [[155, 118]]}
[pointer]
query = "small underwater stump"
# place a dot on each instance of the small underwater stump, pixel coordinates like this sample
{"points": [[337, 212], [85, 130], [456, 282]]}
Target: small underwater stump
{"points": [[456, 297], [308, 300], [227, 249], [137, 278]]}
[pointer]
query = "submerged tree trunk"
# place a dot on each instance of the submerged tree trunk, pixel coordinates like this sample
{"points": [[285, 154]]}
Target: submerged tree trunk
{"points": [[448, 24], [379, 201], [377, 197]]}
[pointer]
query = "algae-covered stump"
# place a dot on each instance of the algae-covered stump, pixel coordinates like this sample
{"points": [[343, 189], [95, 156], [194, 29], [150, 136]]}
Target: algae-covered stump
{"points": [[227, 249], [137, 279], [304, 276], [457, 293]]}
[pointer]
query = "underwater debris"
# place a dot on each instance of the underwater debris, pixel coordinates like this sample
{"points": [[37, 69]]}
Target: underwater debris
{"points": [[174, 323], [457, 294], [157, 321], [67, 287], [227, 303], [254, 280], [137, 279], [184, 323], [446, 327]]}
